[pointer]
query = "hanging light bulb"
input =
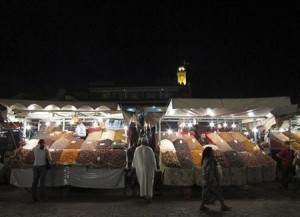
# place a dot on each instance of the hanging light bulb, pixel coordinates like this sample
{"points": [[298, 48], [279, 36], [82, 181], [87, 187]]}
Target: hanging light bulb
{"points": [[47, 123], [169, 131], [211, 124], [225, 124], [219, 126], [190, 124], [72, 122], [233, 125]]}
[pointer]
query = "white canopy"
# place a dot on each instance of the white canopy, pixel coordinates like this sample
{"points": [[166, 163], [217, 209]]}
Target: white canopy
{"points": [[226, 108], [41, 109]]}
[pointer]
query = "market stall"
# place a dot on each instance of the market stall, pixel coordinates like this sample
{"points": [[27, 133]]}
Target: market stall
{"points": [[223, 121], [96, 162]]}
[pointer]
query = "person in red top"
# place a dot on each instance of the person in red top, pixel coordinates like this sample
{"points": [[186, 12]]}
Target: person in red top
{"points": [[287, 156]]}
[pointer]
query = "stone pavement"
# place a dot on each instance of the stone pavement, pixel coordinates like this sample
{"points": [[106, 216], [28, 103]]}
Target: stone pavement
{"points": [[265, 199]]}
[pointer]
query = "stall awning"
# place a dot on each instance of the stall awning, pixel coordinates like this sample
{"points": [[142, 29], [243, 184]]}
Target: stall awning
{"points": [[39, 108], [225, 108]]}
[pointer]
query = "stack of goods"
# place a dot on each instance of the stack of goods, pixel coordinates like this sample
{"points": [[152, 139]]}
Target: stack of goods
{"points": [[89, 144], [52, 137], [96, 135], [117, 158], [214, 147], [168, 154], [238, 136], [183, 153], [108, 135], [296, 145], [17, 157], [268, 165], [61, 143], [171, 136], [119, 135], [55, 155], [297, 136], [237, 168], [251, 147], [237, 146], [254, 171], [116, 145], [105, 144], [67, 135], [227, 137], [100, 157], [192, 142], [84, 158], [75, 144], [68, 156], [196, 156], [32, 143], [234, 159], [185, 159], [217, 140]]}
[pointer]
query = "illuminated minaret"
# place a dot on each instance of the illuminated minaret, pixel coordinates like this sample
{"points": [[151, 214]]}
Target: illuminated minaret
{"points": [[181, 76]]}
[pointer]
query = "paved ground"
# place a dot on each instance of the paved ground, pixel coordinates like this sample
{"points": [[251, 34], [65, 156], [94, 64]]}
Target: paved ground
{"points": [[265, 199]]}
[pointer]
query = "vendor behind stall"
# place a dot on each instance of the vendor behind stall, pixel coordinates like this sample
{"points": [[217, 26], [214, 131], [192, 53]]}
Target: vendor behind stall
{"points": [[80, 130]]}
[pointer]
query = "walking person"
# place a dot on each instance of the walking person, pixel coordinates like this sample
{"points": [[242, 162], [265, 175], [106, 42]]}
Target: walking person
{"points": [[145, 165], [287, 169], [211, 181], [41, 155]]}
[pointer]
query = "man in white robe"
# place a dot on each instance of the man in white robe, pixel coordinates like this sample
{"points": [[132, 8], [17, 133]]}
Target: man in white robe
{"points": [[145, 165]]}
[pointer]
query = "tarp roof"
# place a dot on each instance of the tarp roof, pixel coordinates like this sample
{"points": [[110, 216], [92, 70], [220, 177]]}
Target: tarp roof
{"points": [[227, 108], [39, 108]]}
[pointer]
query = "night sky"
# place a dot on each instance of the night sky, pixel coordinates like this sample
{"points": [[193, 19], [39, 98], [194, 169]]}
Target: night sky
{"points": [[234, 48]]}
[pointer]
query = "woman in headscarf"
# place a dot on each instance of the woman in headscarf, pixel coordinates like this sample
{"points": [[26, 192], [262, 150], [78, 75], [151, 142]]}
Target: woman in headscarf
{"points": [[211, 180]]}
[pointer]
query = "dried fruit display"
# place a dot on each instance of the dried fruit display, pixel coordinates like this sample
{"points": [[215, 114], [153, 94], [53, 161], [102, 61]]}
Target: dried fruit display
{"points": [[85, 157], [89, 144], [181, 145], [192, 143], [185, 159], [55, 155], [297, 136], [227, 137], [166, 145], [117, 158], [100, 157], [75, 144], [119, 135], [61, 143], [237, 146], [218, 141], [108, 135], [68, 156], [105, 144], [238, 136], [196, 156], [214, 147], [264, 159], [54, 135], [296, 145], [67, 135], [220, 157], [17, 157], [234, 159], [251, 147], [169, 158], [249, 159], [94, 136]]}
